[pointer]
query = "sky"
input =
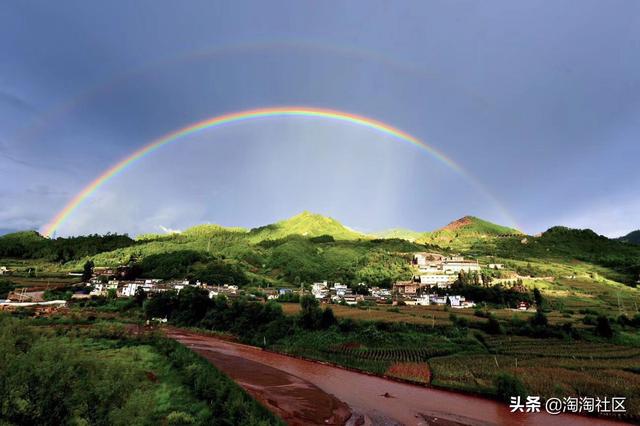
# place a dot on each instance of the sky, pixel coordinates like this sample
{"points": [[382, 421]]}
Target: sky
{"points": [[537, 101]]}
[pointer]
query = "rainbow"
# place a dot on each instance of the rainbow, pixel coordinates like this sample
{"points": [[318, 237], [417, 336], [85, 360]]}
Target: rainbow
{"points": [[241, 116]]}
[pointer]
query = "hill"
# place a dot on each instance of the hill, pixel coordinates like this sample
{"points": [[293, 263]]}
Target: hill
{"points": [[401, 233], [461, 234], [631, 237], [471, 225], [306, 224]]}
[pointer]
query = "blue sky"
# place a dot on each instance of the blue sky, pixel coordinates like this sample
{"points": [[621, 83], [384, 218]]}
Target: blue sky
{"points": [[540, 101]]}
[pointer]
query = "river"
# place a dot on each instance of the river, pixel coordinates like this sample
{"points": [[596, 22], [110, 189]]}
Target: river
{"points": [[305, 392]]}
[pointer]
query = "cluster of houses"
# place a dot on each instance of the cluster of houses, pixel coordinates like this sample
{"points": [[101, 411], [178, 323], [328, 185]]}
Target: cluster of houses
{"points": [[432, 271], [341, 293], [153, 286], [435, 271]]}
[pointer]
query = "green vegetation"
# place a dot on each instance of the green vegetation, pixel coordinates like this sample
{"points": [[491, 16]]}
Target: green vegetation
{"points": [[582, 339], [103, 375], [6, 287], [632, 237], [306, 224], [31, 245]]}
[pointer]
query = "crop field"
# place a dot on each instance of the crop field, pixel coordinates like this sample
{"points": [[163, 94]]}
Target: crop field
{"points": [[393, 354], [415, 371], [547, 368], [434, 315]]}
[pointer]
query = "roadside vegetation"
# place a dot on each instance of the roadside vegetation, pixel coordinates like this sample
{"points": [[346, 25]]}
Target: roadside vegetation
{"points": [[106, 375]]}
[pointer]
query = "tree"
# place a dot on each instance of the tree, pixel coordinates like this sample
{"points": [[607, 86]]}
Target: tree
{"points": [[311, 314], [6, 287], [87, 270], [161, 305], [493, 326], [603, 327], [539, 319], [192, 305], [328, 318], [140, 296], [537, 297]]}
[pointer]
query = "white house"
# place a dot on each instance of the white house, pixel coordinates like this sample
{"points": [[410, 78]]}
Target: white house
{"points": [[423, 300], [456, 264], [339, 289], [440, 280], [129, 290], [320, 290]]}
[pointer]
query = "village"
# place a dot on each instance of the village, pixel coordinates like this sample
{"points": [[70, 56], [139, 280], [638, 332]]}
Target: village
{"points": [[433, 275]]}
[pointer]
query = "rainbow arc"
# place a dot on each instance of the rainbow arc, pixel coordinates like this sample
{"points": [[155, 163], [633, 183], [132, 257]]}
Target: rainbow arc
{"points": [[238, 117]]}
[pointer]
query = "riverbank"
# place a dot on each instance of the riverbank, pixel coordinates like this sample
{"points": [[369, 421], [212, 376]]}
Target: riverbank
{"points": [[370, 399]]}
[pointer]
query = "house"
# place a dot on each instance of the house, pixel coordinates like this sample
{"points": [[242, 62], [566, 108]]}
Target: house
{"points": [[353, 299], [380, 293], [455, 300], [406, 287], [5, 271], [423, 300], [104, 271], [523, 306], [320, 290], [130, 289], [339, 289], [421, 259], [283, 291], [495, 266], [439, 280], [457, 264]]}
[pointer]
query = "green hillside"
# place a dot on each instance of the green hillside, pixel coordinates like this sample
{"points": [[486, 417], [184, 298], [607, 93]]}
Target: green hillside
{"points": [[310, 247], [401, 233], [631, 237], [462, 233], [306, 224]]}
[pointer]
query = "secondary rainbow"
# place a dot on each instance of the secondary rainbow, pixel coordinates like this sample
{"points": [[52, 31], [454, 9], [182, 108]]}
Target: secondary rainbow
{"points": [[253, 114]]}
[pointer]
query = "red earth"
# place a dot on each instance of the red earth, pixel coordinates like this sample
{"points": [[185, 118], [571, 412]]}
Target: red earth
{"points": [[305, 392]]}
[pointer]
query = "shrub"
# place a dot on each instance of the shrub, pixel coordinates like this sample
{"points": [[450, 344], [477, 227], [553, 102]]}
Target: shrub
{"points": [[603, 327], [507, 386], [493, 326]]}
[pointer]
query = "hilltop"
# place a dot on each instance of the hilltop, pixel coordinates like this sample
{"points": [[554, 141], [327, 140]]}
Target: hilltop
{"points": [[315, 247], [632, 237], [476, 226], [400, 233], [462, 233], [306, 224]]}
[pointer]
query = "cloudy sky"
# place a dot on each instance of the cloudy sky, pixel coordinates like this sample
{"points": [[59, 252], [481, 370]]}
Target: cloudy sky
{"points": [[538, 101]]}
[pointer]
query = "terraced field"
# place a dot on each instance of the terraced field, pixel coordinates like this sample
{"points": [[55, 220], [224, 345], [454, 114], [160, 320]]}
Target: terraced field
{"points": [[547, 368]]}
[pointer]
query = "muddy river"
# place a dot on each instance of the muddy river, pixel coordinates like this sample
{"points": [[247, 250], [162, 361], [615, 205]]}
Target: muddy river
{"points": [[305, 392]]}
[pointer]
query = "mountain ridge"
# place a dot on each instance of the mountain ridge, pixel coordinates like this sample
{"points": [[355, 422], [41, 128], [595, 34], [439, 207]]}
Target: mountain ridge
{"points": [[632, 237]]}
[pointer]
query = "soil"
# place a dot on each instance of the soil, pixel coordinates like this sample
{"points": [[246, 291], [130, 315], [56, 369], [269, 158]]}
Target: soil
{"points": [[305, 392]]}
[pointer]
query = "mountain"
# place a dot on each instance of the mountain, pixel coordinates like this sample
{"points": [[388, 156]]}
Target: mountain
{"points": [[306, 224], [632, 237], [401, 233], [471, 225], [465, 232]]}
